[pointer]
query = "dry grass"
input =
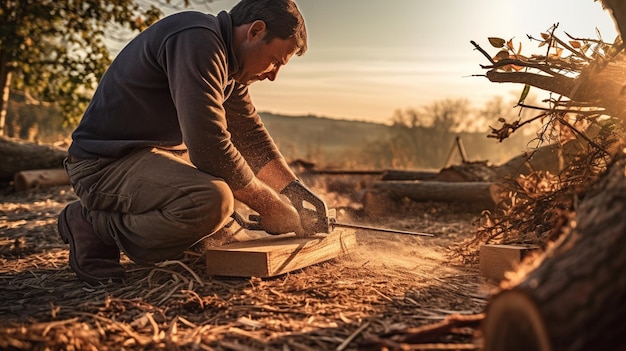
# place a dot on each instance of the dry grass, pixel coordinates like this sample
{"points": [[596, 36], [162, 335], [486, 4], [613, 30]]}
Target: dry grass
{"points": [[362, 301]]}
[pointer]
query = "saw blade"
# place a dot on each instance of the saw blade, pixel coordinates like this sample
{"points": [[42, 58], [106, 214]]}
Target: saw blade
{"points": [[334, 223]]}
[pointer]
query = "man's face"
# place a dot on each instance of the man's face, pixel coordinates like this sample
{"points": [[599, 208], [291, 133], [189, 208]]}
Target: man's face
{"points": [[259, 60]]}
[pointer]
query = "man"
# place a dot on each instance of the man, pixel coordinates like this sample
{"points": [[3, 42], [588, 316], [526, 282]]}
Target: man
{"points": [[171, 138]]}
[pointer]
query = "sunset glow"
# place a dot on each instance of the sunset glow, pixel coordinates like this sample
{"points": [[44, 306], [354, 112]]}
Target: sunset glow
{"points": [[367, 59]]}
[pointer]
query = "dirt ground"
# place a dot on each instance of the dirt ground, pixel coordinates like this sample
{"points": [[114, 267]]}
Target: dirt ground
{"points": [[390, 285]]}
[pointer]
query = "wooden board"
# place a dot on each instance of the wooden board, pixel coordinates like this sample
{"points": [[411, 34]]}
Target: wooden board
{"points": [[496, 260], [273, 256]]}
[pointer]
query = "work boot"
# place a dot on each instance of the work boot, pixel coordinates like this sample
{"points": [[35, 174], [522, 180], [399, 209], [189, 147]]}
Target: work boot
{"points": [[93, 260]]}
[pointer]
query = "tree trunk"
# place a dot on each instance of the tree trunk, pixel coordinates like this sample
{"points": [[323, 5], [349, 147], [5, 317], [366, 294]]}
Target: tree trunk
{"points": [[18, 155], [618, 10], [574, 299], [5, 85]]}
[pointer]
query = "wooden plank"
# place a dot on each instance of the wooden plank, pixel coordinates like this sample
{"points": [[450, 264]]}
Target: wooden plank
{"points": [[274, 256], [496, 260]]}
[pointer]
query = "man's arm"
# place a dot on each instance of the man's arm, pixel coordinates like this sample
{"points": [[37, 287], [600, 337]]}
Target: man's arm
{"points": [[276, 174], [272, 174]]}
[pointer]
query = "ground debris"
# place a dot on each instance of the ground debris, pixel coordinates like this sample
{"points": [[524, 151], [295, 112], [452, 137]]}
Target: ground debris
{"points": [[393, 283]]}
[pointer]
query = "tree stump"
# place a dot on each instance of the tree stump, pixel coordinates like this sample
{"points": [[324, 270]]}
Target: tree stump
{"points": [[575, 298]]}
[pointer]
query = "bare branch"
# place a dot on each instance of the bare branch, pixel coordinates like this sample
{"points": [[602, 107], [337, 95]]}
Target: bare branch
{"points": [[541, 67], [561, 85]]}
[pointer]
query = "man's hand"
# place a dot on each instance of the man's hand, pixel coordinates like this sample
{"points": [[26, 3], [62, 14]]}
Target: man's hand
{"points": [[278, 216], [281, 218]]}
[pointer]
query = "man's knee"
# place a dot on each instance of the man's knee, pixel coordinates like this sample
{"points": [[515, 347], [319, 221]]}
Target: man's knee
{"points": [[218, 208]]}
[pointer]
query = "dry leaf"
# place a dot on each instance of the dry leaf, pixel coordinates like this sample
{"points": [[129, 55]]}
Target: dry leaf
{"points": [[496, 42]]}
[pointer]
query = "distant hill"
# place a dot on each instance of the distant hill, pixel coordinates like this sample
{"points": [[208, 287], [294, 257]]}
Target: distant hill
{"points": [[321, 138], [335, 143]]}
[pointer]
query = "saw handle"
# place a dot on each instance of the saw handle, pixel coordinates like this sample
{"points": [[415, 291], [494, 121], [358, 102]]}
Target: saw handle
{"points": [[312, 209], [252, 223]]}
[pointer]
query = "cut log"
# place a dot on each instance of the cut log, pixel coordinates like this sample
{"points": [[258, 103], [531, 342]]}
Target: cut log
{"points": [[467, 172], [515, 324], [578, 289], [40, 178], [277, 255], [19, 155], [483, 193], [393, 174]]}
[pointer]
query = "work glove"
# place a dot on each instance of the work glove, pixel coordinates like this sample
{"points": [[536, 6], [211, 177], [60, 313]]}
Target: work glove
{"points": [[281, 218], [311, 208]]}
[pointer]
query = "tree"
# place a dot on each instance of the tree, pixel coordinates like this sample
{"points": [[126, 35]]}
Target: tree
{"points": [[56, 50]]}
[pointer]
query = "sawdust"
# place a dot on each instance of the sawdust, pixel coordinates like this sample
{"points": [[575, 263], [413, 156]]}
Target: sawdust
{"points": [[392, 282]]}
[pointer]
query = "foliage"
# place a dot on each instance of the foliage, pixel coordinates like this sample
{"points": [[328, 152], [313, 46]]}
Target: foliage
{"points": [[56, 50], [34, 122]]}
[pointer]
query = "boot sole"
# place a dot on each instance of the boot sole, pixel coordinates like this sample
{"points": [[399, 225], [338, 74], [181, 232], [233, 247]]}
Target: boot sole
{"points": [[68, 238]]}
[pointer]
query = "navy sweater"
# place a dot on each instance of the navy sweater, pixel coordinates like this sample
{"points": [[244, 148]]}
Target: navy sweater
{"points": [[171, 87]]}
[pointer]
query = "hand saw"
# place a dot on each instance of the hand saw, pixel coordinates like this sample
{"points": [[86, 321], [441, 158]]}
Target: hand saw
{"points": [[314, 214]]}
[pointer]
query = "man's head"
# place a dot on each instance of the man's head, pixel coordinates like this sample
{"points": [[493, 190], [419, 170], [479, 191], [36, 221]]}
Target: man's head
{"points": [[267, 34], [282, 18]]}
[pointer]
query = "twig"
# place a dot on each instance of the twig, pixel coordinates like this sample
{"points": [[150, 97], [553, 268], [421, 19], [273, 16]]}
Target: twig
{"points": [[195, 276], [155, 326], [482, 51], [346, 342], [580, 134], [51, 325], [566, 46]]}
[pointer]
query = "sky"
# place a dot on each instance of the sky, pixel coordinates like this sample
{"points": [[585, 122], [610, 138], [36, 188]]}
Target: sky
{"points": [[368, 59]]}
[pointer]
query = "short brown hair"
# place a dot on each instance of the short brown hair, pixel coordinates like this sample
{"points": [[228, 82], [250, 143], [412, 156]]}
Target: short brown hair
{"points": [[282, 19]]}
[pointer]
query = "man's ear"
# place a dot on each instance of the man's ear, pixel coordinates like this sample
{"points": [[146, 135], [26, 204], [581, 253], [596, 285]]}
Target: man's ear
{"points": [[256, 30]]}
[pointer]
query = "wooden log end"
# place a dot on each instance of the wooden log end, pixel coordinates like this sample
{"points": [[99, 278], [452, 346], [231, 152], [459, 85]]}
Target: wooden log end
{"points": [[513, 322]]}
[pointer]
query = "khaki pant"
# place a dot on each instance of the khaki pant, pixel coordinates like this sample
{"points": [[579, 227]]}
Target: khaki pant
{"points": [[152, 202]]}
